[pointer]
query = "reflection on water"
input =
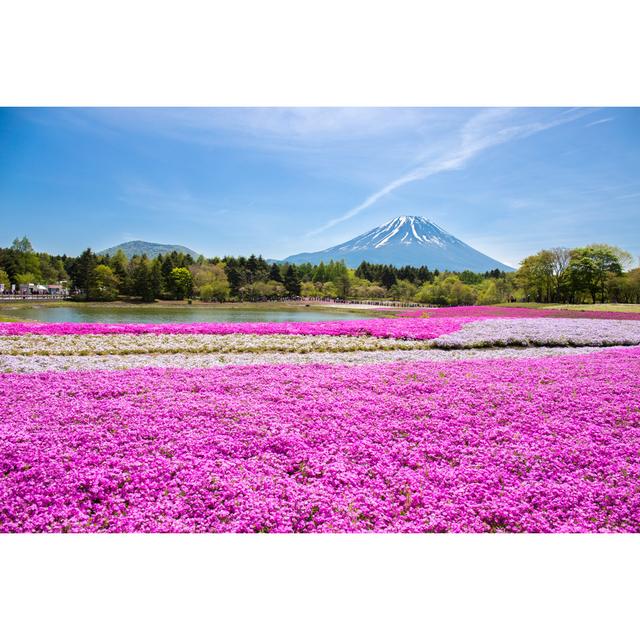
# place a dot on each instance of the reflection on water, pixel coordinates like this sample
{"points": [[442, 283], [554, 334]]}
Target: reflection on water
{"points": [[161, 314]]}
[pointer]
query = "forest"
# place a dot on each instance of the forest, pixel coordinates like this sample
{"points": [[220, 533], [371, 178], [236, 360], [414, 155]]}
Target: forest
{"points": [[595, 273]]}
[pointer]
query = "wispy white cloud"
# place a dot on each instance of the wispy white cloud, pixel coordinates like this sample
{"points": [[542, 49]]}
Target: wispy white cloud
{"points": [[259, 126], [178, 203], [299, 124], [520, 203], [601, 121], [489, 128]]}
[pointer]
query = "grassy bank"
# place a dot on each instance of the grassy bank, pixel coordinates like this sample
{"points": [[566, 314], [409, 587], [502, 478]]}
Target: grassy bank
{"points": [[628, 308]]}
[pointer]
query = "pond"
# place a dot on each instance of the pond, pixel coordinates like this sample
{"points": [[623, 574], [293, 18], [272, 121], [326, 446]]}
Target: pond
{"points": [[165, 313]]}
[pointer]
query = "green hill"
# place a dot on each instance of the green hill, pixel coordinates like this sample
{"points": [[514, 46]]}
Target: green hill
{"points": [[151, 249]]}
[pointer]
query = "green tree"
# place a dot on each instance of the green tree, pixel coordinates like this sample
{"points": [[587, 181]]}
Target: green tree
{"points": [[560, 259], [15, 261], [26, 278], [469, 277], [4, 279], [536, 276], [119, 263], [252, 268], [632, 289], [608, 261], [264, 290], [22, 245], [365, 290], [388, 277], [235, 277], [505, 287], [329, 290], [82, 270], [309, 290], [156, 277], [218, 291], [343, 282], [210, 281], [591, 267], [181, 282], [49, 269], [403, 290], [103, 284], [446, 290], [274, 273], [142, 285], [488, 292], [292, 280], [167, 267], [582, 275], [320, 273]]}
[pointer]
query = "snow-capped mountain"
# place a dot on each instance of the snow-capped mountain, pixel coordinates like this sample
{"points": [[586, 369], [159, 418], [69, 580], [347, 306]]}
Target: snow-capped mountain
{"points": [[406, 240]]}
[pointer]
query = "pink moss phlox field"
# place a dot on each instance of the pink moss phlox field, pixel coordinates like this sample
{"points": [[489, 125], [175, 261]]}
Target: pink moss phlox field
{"points": [[535, 445], [481, 312], [410, 328]]}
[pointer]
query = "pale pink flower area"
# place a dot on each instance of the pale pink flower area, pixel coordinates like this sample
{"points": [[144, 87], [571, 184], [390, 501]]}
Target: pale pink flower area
{"points": [[476, 312], [409, 328], [481, 312], [496, 332], [528, 445]]}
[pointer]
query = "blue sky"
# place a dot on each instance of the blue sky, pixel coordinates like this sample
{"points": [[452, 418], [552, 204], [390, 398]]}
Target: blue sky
{"points": [[281, 181]]}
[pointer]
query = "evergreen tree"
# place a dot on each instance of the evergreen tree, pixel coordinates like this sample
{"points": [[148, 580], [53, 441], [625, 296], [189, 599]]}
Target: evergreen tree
{"points": [[320, 273], [235, 278], [292, 280], [424, 275], [252, 269], [119, 265], [274, 273], [156, 278], [141, 277], [82, 270], [388, 277], [167, 267], [262, 272], [305, 271]]}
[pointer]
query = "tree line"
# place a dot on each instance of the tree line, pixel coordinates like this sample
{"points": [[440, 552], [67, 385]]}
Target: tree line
{"points": [[596, 273], [593, 273]]}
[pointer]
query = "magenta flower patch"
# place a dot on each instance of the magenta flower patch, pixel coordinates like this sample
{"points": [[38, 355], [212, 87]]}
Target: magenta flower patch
{"points": [[534, 445], [407, 328]]}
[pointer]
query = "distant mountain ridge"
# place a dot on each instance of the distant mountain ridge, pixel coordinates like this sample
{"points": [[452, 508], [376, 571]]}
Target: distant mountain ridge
{"points": [[406, 241], [151, 249]]}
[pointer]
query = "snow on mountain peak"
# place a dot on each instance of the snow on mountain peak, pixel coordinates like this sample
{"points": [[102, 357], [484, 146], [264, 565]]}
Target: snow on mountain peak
{"points": [[403, 230]]}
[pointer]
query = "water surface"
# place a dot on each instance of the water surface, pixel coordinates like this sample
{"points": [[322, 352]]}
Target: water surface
{"points": [[166, 314]]}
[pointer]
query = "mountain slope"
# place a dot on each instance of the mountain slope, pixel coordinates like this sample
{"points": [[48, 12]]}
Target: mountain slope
{"points": [[151, 249], [406, 240]]}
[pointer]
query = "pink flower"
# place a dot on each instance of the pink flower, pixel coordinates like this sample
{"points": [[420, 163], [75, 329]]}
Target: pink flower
{"points": [[537, 445]]}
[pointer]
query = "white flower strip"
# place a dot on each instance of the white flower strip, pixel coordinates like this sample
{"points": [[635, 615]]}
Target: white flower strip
{"points": [[124, 344], [541, 337], [550, 332], [485, 333], [38, 364]]}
